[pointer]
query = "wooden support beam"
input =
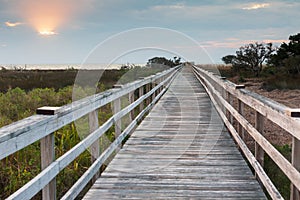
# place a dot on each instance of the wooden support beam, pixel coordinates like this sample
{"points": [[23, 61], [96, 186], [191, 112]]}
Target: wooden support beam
{"points": [[295, 194], [94, 148], [147, 90], [141, 93], [118, 123], [259, 125], [229, 99], [48, 154], [154, 93], [241, 130], [131, 100]]}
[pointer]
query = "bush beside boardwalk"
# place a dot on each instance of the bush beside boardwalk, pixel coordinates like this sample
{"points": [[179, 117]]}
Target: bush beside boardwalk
{"points": [[21, 102]]}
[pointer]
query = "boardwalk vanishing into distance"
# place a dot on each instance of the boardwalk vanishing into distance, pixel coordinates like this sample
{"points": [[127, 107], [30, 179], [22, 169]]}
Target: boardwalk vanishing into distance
{"points": [[181, 150], [187, 141]]}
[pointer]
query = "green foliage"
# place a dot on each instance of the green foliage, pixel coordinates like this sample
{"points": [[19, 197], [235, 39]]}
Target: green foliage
{"points": [[292, 64], [229, 59], [19, 104], [276, 175], [282, 82], [251, 57], [242, 79], [286, 51], [158, 61], [138, 72]]}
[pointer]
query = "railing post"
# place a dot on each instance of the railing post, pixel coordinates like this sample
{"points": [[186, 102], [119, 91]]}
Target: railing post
{"points": [[241, 130], [259, 125], [224, 94], [94, 148], [48, 154], [229, 99], [141, 93], [147, 90], [118, 123], [153, 86], [295, 194], [131, 100], [241, 106], [161, 87]]}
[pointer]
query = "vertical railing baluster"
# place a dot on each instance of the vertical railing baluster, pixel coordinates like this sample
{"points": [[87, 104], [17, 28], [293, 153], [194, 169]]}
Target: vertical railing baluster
{"points": [[153, 95], [130, 101], [147, 90], [295, 193], [259, 125], [48, 154], [94, 148], [118, 123], [241, 108], [141, 93], [47, 157]]}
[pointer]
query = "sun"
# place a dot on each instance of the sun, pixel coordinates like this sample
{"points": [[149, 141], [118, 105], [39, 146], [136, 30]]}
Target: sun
{"points": [[47, 32]]}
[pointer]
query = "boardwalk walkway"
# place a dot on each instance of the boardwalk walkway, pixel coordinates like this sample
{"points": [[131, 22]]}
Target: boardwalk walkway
{"points": [[180, 151]]}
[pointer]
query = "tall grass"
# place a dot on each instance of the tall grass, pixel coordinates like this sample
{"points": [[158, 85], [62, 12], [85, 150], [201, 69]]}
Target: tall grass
{"points": [[20, 167]]}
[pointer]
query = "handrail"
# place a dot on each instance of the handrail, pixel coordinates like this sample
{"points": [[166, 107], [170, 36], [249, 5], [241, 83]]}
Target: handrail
{"points": [[222, 93], [23, 133]]}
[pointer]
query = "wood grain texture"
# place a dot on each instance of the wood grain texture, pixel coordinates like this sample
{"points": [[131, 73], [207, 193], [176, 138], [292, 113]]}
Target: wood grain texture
{"points": [[216, 98], [180, 151]]}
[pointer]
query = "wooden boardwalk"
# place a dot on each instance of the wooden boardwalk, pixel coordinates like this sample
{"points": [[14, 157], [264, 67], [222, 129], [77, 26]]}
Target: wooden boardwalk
{"points": [[180, 151]]}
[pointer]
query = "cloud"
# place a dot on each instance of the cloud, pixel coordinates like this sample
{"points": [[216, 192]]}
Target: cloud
{"points": [[235, 43], [13, 24], [3, 45], [255, 6]]}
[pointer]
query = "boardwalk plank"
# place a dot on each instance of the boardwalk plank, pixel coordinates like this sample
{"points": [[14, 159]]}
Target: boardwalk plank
{"points": [[180, 151]]}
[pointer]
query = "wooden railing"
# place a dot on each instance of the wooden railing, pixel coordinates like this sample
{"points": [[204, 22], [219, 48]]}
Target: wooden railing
{"points": [[223, 94], [18, 135]]}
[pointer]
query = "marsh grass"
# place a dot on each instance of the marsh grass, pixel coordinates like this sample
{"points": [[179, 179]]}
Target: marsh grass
{"points": [[21, 102]]}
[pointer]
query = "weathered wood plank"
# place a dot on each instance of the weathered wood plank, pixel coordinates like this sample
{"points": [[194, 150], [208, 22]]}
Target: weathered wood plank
{"points": [[173, 154], [273, 192]]}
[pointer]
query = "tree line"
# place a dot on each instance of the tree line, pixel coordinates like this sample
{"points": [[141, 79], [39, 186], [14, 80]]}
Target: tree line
{"points": [[252, 57]]}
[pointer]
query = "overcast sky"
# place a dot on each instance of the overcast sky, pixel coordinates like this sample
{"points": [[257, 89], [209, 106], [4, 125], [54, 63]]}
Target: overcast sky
{"points": [[61, 31]]}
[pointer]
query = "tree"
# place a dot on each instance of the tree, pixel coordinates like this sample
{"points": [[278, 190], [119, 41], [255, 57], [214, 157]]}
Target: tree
{"points": [[229, 59], [164, 61], [251, 57], [292, 64], [287, 54]]}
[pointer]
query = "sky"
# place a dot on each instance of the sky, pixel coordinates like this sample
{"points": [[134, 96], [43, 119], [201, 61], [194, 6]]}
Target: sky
{"points": [[61, 31]]}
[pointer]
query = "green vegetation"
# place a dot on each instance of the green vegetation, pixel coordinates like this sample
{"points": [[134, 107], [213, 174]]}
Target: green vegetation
{"points": [[276, 175], [164, 61], [57, 79], [21, 102], [250, 57], [278, 69]]}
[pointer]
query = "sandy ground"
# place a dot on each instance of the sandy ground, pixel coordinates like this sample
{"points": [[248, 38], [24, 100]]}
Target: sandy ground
{"points": [[273, 132]]}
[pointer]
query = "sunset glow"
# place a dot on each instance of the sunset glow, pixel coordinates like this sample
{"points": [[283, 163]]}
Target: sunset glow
{"points": [[47, 33], [45, 16], [11, 24]]}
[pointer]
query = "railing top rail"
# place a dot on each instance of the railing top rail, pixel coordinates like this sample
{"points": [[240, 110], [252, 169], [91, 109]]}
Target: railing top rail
{"points": [[26, 131], [272, 110], [222, 93]]}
